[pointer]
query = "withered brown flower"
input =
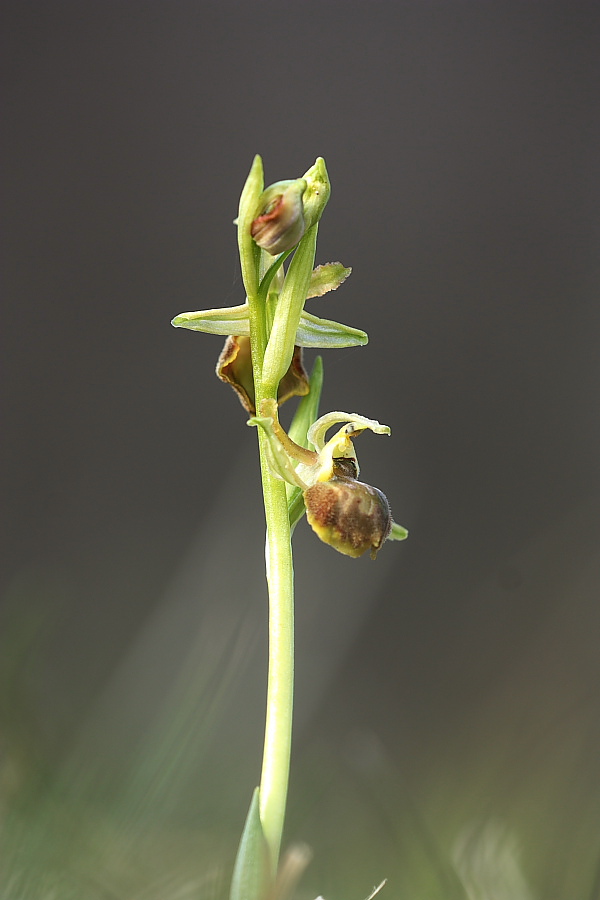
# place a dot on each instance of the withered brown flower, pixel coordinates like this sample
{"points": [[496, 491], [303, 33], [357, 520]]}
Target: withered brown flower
{"points": [[234, 366]]}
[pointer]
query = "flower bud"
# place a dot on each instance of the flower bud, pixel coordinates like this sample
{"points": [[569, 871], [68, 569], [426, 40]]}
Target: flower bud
{"points": [[350, 516], [280, 223]]}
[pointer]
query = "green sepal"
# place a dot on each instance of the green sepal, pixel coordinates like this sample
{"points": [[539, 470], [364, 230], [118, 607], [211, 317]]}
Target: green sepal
{"points": [[328, 335], [227, 320], [397, 533], [312, 331], [327, 277], [249, 250], [252, 879]]}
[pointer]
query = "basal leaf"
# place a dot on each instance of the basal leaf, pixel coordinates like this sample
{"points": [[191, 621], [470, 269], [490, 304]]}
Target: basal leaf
{"points": [[252, 871]]}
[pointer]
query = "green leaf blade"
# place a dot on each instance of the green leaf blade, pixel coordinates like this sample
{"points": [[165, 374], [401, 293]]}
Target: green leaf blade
{"points": [[252, 873]]}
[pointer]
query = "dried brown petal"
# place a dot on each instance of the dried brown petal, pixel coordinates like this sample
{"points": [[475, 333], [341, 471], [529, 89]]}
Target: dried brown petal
{"points": [[295, 382], [234, 366]]}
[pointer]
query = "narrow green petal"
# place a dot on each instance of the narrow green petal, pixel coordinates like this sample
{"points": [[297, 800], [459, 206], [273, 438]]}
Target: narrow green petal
{"points": [[327, 277], [316, 332], [226, 321], [318, 431], [397, 533]]}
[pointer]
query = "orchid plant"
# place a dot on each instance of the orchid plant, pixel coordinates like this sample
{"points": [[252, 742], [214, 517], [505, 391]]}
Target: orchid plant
{"points": [[302, 471]]}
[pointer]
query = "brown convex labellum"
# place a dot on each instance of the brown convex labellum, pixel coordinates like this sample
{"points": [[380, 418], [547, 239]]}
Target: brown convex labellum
{"points": [[350, 516]]}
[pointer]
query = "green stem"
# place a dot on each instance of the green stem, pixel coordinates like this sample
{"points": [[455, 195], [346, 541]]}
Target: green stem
{"points": [[280, 581], [280, 686]]}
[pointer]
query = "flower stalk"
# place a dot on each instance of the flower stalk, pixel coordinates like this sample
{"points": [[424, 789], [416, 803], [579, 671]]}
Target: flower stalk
{"points": [[278, 552], [280, 679], [300, 471]]}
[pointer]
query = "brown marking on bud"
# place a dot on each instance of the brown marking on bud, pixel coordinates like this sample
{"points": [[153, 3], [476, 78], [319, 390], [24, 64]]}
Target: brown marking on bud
{"points": [[270, 214], [280, 224], [350, 516]]}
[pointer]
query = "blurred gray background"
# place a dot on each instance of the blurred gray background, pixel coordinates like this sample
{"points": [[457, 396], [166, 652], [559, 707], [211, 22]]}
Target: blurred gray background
{"points": [[447, 689]]}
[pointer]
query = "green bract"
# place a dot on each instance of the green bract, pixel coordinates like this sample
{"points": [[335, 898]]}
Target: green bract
{"points": [[289, 308], [249, 250], [252, 873]]}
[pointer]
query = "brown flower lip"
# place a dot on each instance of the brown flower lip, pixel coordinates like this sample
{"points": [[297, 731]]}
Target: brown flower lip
{"points": [[350, 516]]}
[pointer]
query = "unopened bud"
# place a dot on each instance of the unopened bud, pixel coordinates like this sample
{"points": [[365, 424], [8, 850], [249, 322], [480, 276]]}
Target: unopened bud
{"points": [[280, 223], [350, 516]]}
